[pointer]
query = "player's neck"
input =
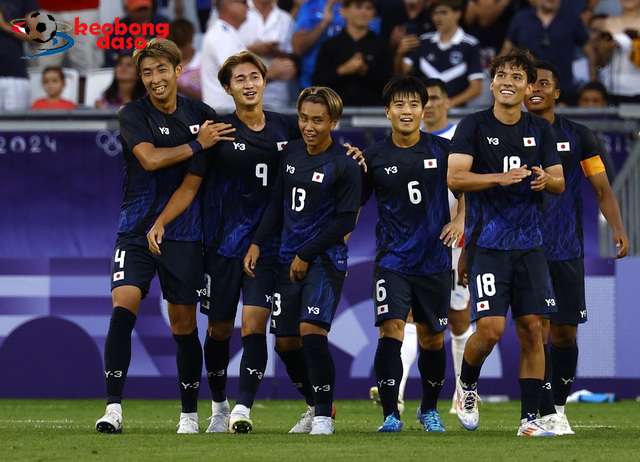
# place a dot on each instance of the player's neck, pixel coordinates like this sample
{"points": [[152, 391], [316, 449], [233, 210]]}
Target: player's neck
{"points": [[320, 148], [264, 8], [437, 125], [548, 114], [447, 34], [252, 116], [508, 115], [356, 33], [402, 140], [168, 106]]}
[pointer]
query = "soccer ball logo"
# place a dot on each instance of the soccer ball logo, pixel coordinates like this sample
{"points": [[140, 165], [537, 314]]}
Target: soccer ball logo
{"points": [[40, 27]]}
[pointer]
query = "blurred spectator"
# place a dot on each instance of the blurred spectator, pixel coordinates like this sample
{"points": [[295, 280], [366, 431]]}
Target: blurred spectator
{"points": [[189, 80], [221, 41], [622, 77], [449, 54], [435, 119], [488, 21], [53, 84], [125, 87], [356, 63], [140, 12], [593, 95], [84, 55], [14, 82], [267, 32], [204, 10], [551, 34], [402, 18]]}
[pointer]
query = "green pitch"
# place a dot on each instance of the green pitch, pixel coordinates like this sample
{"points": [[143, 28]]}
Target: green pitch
{"points": [[64, 430]]}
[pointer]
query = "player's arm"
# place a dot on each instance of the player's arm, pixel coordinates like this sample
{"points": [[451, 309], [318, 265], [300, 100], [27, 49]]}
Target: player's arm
{"points": [[460, 178], [593, 169], [348, 198], [550, 179], [180, 200], [453, 231], [472, 91], [303, 39], [152, 158]]}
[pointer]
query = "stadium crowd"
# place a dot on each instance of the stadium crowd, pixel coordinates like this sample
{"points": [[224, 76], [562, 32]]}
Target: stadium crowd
{"points": [[353, 46]]}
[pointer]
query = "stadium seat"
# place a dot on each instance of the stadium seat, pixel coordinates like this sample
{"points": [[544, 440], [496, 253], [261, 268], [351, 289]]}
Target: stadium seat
{"points": [[71, 88], [97, 82]]}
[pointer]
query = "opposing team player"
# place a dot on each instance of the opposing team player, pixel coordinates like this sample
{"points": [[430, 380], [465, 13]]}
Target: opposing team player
{"points": [[313, 208], [239, 180], [408, 174], [563, 242], [507, 157], [160, 133]]}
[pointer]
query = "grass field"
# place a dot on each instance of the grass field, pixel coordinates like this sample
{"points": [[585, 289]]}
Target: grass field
{"points": [[63, 430]]}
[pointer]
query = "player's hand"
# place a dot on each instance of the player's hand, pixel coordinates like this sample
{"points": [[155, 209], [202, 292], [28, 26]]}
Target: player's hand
{"points": [[539, 183], [408, 43], [283, 69], [451, 233], [210, 133], [463, 275], [268, 48], [154, 238], [357, 155], [513, 176], [327, 14], [353, 65], [298, 269], [251, 259], [622, 243]]}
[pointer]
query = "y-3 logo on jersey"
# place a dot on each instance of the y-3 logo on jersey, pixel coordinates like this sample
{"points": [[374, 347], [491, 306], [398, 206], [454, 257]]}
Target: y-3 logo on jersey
{"points": [[239, 146], [493, 141], [164, 130], [390, 170], [291, 169]]}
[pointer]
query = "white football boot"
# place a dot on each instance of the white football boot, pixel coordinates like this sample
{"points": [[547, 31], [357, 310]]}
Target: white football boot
{"points": [[322, 425], [188, 423], [111, 421], [240, 419], [304, 424], [219, 420]]}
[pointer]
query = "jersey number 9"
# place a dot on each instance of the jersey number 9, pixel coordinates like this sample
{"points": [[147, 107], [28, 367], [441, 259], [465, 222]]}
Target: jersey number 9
{"points": [[261, 173]]}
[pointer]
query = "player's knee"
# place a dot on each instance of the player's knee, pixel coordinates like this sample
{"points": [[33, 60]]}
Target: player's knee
{"points": [[458, 324], [529, 332], [432, 342], [288, 343], [183, 325], [253, 326], [392, 328], [563, 336], [489, 335], [221, 330]]}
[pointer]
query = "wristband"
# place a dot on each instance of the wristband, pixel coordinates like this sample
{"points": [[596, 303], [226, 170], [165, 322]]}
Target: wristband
{"points": [[195, 146]]}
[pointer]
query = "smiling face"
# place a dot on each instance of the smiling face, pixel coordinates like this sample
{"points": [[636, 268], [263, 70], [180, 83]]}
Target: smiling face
{"points": [[315, 124], [246, 85], [510, 85], [544, 93], [405, 113], [160, 78]]}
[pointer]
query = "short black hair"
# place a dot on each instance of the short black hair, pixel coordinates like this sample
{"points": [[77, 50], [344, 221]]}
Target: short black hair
{"points": [[57, 69], [519, 58], [548, 66], [456, 5], [595, 86], [437, 83], [348, 3], [404, 86]]}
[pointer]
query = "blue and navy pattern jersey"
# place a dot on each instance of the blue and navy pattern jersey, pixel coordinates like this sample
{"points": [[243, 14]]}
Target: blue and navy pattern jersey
{"points": [[455, 63], [410, 185], [313, 190], [563, 238], [511, 216], [240, 176], [147, 193]]}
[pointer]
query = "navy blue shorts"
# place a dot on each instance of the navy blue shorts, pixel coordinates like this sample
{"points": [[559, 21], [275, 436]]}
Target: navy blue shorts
{"points": [[179, 269], [427, 296], [225, 279], [519, 279], [313, 300], [567, 277]]}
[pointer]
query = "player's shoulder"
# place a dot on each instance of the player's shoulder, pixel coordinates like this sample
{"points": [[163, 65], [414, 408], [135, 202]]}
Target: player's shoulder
{"points": [[195, 105], [134, 108], [284, 120], [576, 127], [428, 37], [341, 159], [376, 149], [475, 118], [469, 39], [536, 121]]}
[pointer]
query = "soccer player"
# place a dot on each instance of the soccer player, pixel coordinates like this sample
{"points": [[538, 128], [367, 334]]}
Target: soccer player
{"points": [[507, 157], [436, 121], [159, 133], [239, 180], [408, 173], [563, 242], [313, 208]]}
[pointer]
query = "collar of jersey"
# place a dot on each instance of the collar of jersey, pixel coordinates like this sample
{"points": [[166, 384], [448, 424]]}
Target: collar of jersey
{"points": [[439, 132], [455, 40]]}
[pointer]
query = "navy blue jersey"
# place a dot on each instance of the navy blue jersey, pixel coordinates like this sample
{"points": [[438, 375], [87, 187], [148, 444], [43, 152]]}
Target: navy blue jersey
{"points": [[240, 176], [455, 63], [313, 190], [412, 198], [511, 216], [563, 238], [147, 193]]}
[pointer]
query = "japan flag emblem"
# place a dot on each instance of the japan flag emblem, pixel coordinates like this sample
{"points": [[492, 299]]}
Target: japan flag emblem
{"points": [[194, 128], [317, 177], [564, 147], [482, 306], [431, 163], [529, 141]]}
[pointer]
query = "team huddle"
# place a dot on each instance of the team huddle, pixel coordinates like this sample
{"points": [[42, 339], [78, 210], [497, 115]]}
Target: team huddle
{"points": [[260, 205]]}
